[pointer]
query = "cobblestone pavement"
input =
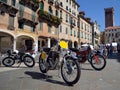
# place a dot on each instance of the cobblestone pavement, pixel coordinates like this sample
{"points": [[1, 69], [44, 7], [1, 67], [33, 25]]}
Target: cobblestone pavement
{"points": [[25, 78]]}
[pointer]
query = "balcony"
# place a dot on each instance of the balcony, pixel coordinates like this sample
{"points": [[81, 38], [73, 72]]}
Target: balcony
{"points": [[27, 18], [32, 4], [51, 2], [5, 7], [44, 15]]}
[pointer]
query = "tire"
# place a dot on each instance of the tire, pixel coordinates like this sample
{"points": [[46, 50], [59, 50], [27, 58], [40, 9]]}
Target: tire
{"points": [[100, 64], [42, 65], [29, 61], [8, 61], [72, 62]]}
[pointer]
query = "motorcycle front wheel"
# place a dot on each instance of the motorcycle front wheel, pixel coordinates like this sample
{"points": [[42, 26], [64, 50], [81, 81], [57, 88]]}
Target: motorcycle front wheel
{"points": [[42, 65], [70, 71], [8, 61], [29, 61], [98, 62]]}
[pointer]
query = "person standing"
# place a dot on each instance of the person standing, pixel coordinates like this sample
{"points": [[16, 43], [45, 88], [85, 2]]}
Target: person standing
{"points": [[111, 50], [118, 48]]}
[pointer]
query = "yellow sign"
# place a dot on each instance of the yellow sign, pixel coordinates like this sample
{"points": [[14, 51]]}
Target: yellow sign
{"points": [[63, 44]]}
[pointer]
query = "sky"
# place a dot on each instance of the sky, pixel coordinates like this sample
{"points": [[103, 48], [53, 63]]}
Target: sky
{"points": [[95, 10]]}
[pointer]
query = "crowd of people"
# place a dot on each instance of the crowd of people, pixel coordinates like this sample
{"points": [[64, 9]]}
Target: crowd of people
{"points": [[108, 50]]}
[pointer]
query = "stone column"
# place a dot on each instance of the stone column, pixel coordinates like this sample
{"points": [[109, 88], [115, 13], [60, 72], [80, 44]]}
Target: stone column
{"points": [[14, 44], [48, 42], [36, 45], [0, 44]]}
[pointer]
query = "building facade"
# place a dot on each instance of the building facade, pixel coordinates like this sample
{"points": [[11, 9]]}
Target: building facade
{"points": [[33, 24], [95, 34], [85, 29], [112, 34], [17, 24]]}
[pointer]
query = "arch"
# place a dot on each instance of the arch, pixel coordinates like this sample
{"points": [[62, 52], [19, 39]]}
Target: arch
{"points": [[70, 44], [27, 35], [6, 41], [75, 44], [24, 42], [50, 10], [7, 32], [53, 42]]}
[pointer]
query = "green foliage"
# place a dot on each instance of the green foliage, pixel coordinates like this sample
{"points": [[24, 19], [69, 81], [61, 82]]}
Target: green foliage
{"points": [[47, 16]]}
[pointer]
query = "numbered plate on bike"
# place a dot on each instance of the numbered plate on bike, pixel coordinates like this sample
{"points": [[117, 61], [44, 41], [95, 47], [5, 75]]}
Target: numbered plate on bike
{"points": [[43, 55], [63, 44]]}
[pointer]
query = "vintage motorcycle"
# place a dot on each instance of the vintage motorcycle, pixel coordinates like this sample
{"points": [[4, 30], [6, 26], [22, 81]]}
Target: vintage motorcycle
{"points": [[97, 61], [68, 65], [13, 56]]}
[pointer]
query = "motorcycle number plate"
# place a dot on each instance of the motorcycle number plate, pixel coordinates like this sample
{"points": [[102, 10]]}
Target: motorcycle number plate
{"points": [[43, 55]]}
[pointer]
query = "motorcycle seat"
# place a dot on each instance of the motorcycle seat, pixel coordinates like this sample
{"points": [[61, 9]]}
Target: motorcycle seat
{"points": [[46, 50], [74, 49]]}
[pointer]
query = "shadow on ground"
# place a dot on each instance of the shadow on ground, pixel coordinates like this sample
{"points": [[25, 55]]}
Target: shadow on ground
{"points": [[43, 77]]}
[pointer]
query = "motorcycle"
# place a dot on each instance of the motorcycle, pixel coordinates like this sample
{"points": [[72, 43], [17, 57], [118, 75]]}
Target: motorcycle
{"points": [[68, 65], [97, 61], [13, 56]]}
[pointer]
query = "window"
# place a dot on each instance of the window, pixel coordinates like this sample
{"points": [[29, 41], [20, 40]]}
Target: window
{"points": [[41, 26], [50, 10], [70, 2], [69, 9], [61, 4], [56, 13], [60, 13], [66, 17], [78, 34], [66, 30], [49, 29], [20, 25], [66, 7], [4, 1], [71, 32], [74, 34], [56, 31], [41, 5], [11, 21], [13, 2], [60, 28]]}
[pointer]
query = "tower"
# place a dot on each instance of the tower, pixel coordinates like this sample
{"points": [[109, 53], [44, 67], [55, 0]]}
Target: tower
{"points": [[109, 17]]}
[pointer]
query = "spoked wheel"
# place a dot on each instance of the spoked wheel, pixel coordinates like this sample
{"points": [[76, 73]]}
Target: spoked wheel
{"points": [[70, 71], [98, 62], [29, 61], [8, 61], [42, 65]]}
